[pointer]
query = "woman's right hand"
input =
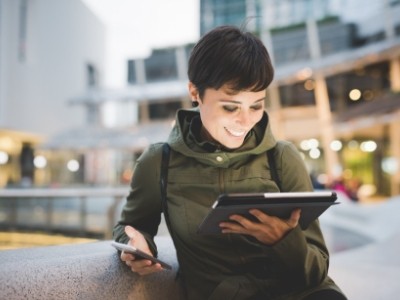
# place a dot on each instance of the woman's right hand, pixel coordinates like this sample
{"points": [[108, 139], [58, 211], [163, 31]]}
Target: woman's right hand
{"points": [[140, 266]]}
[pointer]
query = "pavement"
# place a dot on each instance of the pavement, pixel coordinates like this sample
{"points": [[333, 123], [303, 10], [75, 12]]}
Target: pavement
{"points": [[370, 272], [368, 267]]}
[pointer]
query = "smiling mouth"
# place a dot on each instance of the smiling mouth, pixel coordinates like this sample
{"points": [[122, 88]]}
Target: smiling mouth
{"points": [[236, 133]]}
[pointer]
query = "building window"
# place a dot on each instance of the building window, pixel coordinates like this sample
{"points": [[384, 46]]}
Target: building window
{"points": [[131, 72], [290, 44], [299, 94], [22, 33], [161, 65], [358, 86], [91, 75], [164, 110], [222, 12]]}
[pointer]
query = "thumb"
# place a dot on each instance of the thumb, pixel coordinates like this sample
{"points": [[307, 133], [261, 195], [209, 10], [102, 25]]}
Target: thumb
{"points": [[136, 239], [130, 232], [296, 214], [294, 217]]}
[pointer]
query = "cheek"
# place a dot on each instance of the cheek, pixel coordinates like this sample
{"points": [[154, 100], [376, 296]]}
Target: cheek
{"points": [[211, 116], [214, 122], [258, 116]]}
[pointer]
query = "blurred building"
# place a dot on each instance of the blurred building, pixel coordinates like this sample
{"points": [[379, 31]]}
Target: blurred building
{"points": [[335, 93], [49, 51]]}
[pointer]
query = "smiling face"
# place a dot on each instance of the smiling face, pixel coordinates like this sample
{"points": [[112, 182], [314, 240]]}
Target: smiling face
{"points": [[227, 117]]}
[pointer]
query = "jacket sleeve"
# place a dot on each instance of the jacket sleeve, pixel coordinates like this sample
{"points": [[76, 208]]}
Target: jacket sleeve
{"points": [[302, 253], [142, 209]]}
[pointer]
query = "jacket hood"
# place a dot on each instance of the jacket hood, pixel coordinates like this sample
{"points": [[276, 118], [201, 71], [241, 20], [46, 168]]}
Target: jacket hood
{"points": [[259, 140]]}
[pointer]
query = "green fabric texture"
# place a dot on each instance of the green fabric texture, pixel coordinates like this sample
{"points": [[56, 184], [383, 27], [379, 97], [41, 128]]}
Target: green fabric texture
{"points": [[226, 266]]}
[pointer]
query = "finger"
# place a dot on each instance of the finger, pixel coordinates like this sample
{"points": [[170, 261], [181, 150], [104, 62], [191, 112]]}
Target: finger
{"points": [[125, 256], [150, 269], [294, 218], [230, 227], [242, 221], [144, 266], [141, 263], [261, 216]]}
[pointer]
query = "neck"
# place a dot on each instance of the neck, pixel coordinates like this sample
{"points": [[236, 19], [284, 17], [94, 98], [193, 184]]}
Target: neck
{"points": [[205, 136]]}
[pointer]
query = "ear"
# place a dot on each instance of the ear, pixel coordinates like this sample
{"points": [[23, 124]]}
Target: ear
{"points": [[193, 92]]}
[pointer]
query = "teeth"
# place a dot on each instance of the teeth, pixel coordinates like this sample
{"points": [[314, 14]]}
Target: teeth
{"points": [[236, 133]]}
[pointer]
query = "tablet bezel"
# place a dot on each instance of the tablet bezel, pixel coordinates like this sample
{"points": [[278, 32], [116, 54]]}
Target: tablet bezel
{"points": [[313, 204], [285, 197]]}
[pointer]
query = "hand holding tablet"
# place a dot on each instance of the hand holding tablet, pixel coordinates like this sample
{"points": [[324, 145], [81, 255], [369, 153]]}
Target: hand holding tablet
{"points": [[312, 205]]}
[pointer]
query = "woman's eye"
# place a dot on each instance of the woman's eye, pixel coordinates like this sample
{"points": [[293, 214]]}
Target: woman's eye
{"points": [[230, 108], [257, 107]]}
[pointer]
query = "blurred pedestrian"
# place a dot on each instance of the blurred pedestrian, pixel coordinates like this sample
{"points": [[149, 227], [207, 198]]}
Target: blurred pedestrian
{"points": [[349, 187], [220, 147], [353, 187], [340, 186]]}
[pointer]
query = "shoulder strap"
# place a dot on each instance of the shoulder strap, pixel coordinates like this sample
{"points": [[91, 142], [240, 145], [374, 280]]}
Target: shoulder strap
{"points": [[164, 181], [272, 167]]}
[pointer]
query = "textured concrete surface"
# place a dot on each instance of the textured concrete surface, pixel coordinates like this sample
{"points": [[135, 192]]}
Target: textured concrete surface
{"points": [[84, 271]]}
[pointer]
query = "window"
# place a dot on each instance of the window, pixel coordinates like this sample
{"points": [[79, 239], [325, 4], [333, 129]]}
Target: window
{"points": [[164, 110], [22, 33], [299, 94], [161, 65], [91, 75], [358, 86], [131, 72]]}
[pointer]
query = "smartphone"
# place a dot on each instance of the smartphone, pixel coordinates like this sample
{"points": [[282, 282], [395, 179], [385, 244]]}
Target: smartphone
{"points": [[139, 254]]}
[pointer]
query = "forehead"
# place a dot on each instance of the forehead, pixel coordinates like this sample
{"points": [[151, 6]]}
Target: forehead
{"points": [[228, 90], [226, 94]]}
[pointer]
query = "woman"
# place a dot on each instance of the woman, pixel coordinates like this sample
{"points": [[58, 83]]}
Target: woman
{"points": [[220, 147]]}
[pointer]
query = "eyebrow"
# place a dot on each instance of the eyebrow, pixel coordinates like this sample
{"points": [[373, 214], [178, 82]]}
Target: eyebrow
{"points": [[238, 102]]}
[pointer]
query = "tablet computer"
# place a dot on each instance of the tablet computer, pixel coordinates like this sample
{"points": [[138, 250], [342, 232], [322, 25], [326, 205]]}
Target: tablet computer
{"points": [[312, 205]]}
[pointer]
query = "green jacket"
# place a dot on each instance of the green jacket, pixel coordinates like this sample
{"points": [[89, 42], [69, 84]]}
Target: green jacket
{"points": [[226, 266]]}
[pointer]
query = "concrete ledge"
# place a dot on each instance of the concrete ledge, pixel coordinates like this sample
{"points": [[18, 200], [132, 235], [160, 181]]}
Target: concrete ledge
{"points": [[94, 270], [83, 271]]}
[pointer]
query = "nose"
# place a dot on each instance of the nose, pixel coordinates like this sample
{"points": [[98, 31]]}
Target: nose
{"points": [[245, 118]]}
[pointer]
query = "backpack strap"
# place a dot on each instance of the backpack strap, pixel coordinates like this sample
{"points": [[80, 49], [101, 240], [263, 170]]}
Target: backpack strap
{"points": [[164, 181], [166, 150], [272, 167]]}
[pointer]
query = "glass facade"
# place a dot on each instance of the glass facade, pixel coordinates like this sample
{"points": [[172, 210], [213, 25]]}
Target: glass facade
{"points": [[299, 94], [221, 12], [358, 87], [161, 65]]}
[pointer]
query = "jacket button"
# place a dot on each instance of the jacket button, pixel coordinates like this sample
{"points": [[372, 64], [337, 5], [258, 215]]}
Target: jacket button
{"points": [[219, 159]]}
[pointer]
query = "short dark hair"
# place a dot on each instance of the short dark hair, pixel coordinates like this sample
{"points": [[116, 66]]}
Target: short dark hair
{"points": [[228, 55]]}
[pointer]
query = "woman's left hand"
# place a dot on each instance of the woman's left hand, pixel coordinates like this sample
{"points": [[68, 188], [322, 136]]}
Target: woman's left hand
{"points": [[268, 230]]}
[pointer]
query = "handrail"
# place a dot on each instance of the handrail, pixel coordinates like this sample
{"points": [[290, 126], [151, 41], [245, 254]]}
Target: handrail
{"points": [[82, 193], [63, 192]]}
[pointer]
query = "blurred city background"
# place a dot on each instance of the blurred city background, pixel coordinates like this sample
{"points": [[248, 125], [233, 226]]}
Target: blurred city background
{"points": [[85, 86]]}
